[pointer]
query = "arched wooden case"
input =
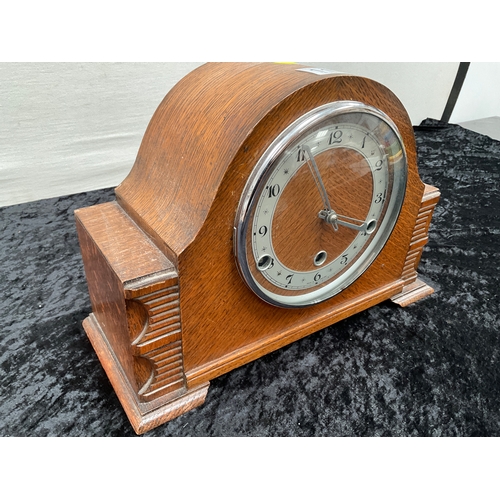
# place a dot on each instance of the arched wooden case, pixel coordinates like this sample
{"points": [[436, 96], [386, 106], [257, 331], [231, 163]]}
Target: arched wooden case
{"points": [[169, 310]]}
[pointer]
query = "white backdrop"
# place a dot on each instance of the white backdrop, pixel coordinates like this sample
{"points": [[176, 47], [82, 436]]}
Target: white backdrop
{"points": [[72, 127], [480, 96]]}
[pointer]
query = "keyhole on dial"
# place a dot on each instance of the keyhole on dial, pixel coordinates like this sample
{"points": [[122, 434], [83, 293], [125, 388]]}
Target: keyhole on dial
{"points": [[265, 262], [370, 227], [320, 258]]}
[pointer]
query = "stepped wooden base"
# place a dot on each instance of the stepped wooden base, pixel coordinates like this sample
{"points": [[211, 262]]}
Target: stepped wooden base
{"points": [[412, 292], [143, 416]]}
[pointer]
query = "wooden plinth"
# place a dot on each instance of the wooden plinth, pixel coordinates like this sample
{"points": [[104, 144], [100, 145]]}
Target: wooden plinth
{"points": [[143, 416]]}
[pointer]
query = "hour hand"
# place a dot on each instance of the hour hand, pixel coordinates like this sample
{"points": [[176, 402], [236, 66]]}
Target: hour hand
{"points": [[332, 217]]}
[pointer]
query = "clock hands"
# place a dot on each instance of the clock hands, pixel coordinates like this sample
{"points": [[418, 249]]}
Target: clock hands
{"points": [[328, 214], [328, 211], [366, 226]]}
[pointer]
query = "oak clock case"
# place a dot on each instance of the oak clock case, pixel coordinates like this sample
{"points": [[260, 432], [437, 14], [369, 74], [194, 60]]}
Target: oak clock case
{"points": [[266, 202]]}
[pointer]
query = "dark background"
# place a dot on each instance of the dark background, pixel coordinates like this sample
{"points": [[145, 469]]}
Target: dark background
{"points": [[431, 369]]}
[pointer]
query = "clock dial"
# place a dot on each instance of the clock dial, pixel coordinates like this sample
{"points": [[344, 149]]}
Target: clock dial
{"points": [[320, 204]]}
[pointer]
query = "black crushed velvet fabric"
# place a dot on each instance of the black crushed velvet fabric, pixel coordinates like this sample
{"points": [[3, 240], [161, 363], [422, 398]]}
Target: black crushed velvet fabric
{"points": [[431, 369]]}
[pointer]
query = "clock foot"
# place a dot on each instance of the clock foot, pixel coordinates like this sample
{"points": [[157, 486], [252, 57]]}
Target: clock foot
{"points": [[143, 416], [412, 292], [135, 327]]}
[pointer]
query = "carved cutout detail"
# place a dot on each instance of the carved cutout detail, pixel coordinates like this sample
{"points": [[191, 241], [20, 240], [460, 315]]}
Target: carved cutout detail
{"points": [[420, 234], [159, 341]]}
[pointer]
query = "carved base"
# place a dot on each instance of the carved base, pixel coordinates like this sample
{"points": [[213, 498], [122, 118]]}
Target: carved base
{"points": [[135, 326], [143, 416], [415, 289], [412, 292]]}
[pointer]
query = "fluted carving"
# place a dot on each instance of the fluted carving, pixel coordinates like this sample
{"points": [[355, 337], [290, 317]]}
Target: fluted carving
{"points": [[155, 329]]}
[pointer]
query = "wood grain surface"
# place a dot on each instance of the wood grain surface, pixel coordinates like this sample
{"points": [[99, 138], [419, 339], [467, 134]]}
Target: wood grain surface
{"points": [[183, 192]]}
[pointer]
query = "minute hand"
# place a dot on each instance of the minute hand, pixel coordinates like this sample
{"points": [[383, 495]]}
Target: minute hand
{"points": [[319, 184]]}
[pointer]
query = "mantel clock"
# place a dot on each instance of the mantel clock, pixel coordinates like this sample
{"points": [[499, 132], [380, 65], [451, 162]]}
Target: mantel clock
{"points": [[266, 202]]}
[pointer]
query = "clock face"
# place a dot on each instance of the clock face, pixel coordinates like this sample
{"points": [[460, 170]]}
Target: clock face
{"points": [[320, 204]]}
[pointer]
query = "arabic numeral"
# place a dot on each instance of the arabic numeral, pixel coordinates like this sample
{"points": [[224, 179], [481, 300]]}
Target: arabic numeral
{"points": [[301, 155], [379, 198], [289, 279], [336, 137], [344, 259], [378, 165], [317, 277], [263, 230], [273, 191]]}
